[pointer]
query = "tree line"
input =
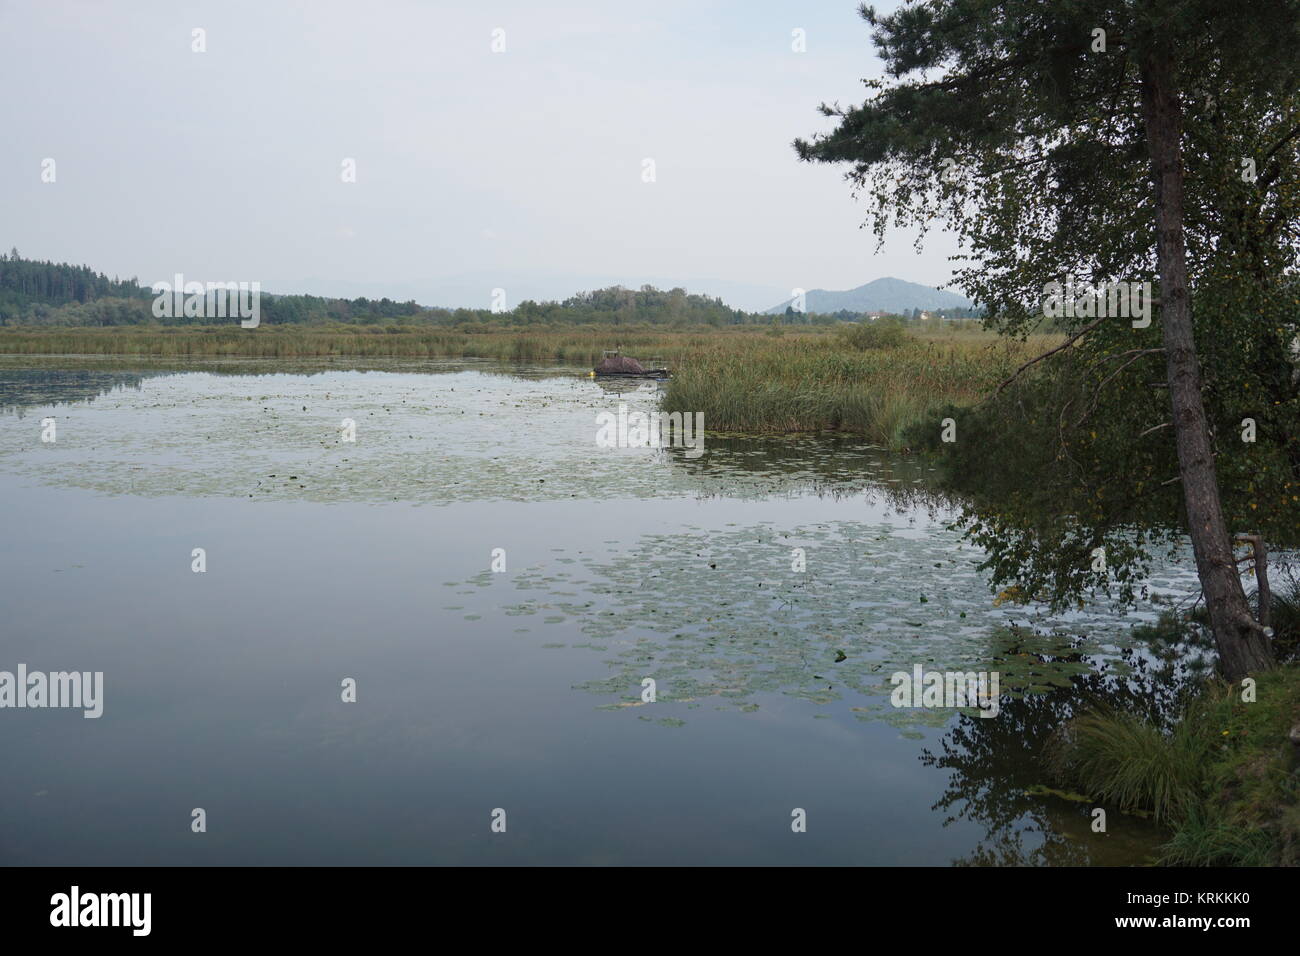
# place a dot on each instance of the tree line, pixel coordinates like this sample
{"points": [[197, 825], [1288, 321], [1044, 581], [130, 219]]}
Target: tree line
{"points": [[43, 293]]}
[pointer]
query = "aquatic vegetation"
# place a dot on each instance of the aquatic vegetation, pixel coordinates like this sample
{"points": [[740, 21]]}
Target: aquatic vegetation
{"points": [[812, 383], [1127, 760], [469, 432], [572, 344], [867, 381], [718, 615], [648, 563], [872, 335], [995, 779]]}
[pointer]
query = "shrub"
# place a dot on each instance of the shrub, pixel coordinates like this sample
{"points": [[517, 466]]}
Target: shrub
{"points": [[873, 335]]}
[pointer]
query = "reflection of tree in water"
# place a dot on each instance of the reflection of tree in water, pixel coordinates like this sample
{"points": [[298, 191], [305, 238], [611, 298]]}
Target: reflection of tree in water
{"points": [[993, 761], [39, 382], [24, 388]]}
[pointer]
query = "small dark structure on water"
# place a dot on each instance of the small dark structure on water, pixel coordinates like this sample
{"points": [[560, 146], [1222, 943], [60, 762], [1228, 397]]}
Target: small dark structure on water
{"points": [[615, 365]]}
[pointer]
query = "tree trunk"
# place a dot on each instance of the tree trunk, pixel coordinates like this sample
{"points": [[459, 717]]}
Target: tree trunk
{"points": [[1259, 560], [1243, 646]]}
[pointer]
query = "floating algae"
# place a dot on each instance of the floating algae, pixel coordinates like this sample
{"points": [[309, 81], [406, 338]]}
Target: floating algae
{"points": [[685, 608], [712, 614], [238, 430]]}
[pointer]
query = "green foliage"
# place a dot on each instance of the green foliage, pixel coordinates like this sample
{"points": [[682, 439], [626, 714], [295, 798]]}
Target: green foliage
{"points": [[43, 294], [1285, 611], [1205, 840], [1250, 772], [28, 287], [873, 335], [1041, 521], [580, 346], [812, 382], [740, 378], [1095, 459], [1126, 759], [1223, 777], [1004, 121], [999, 119]]}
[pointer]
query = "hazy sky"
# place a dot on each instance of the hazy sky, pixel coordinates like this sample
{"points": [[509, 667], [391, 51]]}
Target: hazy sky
{"points": [[473, 168]]}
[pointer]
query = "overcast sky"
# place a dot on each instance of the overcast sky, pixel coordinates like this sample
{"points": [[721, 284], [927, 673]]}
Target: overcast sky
{"points": [[473, 169]]}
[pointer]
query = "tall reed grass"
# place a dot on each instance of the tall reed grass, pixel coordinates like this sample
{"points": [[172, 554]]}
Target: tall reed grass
{"points": [[810, 383], [741, 379], [574, 345]]}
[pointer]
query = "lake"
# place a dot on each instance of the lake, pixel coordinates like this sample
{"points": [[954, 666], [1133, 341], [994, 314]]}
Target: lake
{"points": [[769, 588]]}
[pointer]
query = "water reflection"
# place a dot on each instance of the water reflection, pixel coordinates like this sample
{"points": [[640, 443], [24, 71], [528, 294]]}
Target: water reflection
{"points": [[622, 563], [830, 464], [995, 766], [25, 388], [625, 386], [429, 431]]}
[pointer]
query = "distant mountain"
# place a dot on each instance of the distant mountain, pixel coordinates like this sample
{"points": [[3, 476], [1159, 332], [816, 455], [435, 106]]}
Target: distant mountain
{"points": [[880, 295]]}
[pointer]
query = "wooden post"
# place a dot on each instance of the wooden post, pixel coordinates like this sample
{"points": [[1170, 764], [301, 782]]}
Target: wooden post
{"points": [[1260, 559]]}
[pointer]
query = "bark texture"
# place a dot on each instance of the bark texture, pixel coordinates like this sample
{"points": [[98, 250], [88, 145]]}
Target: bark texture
{"points": [[1243, 646]]}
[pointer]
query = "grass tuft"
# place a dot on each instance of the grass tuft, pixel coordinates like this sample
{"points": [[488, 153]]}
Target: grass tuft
{"points": [[1125, 759]]}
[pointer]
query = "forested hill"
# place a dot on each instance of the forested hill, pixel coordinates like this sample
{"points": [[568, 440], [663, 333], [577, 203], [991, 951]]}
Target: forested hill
{"points": [[48, 294], [26, 282], [36, 293]]}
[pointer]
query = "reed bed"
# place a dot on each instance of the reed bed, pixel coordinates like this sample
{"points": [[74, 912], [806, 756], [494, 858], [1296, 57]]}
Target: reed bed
{"points": [[576, 346], [813, 384], [743, 380]]}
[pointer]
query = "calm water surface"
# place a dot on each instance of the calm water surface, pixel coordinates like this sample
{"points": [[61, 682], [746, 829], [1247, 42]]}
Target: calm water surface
{"points": [[521, 689]]}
